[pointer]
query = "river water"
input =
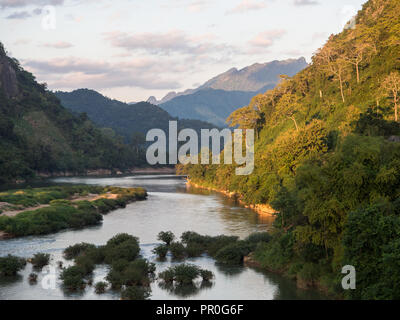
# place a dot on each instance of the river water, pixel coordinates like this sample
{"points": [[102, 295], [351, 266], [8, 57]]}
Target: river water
{"points": [[170, 207]]}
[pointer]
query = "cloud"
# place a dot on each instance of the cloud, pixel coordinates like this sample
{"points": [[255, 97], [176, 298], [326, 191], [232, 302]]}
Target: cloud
{"points": [[247, 5], [305, 2], [22, 42], [165, 43], [73, 72], [267, 38], [19, 15], [24, 3], [58, 45], [191, 6]]}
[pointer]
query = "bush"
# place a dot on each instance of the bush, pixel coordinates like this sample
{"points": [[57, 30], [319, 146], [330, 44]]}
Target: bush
{"points": [[166, 237], [186, 273], [167, 276], [194, 250], [100, 287], [73, 251], [183, 274], [40, 260], [206, 275], [178, 250], [33, 278], [11, 265], [122, 246], [258, 237], [135, 293], [234, 253], [217, 243], [85, 263], [125, 273], [161, 251], [73, 278]]}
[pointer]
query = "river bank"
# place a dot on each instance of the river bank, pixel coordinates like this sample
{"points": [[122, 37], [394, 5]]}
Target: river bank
{"points": [[261, 209], [41, 211], [96, 173], [107, 172]]}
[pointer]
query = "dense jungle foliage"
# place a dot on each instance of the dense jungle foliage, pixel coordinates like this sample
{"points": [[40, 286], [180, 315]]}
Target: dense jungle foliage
{"points": [[327, 157]]}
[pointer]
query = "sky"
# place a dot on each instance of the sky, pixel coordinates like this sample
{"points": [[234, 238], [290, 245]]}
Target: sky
{"points": [[132, 49]]}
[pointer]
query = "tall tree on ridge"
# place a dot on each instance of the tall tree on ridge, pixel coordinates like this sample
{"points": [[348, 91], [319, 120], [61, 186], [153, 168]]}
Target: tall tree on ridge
{"points": [[392, 84]]}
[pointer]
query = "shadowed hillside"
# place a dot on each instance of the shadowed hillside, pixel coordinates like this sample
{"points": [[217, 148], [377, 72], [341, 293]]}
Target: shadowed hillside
{"points": [[38, 134]]}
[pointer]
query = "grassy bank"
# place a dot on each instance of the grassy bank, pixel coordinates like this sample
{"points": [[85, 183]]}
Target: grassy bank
{"points": [[61, 207]]}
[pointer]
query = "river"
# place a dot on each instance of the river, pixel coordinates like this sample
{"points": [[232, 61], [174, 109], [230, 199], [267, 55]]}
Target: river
{"points": [[170, 207]]}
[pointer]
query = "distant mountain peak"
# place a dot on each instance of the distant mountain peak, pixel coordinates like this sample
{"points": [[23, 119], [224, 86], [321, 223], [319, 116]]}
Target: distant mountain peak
{"points": [[248, 79]]}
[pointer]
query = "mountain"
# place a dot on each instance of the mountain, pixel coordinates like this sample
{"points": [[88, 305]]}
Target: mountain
{"points": [[327, 161], [125, 119], [255, 77], [37, 134], [220, 96], [209, 105]]}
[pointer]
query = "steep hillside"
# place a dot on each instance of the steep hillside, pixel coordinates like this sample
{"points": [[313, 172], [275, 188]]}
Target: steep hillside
{"points": [[215, 100], [125, 119], [38, 134], [327, 160]]}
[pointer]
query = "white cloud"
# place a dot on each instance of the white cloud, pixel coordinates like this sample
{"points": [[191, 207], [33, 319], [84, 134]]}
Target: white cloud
{"points": [[267, 38], [58, 45], [165, 43], [73, 72], [247, 5]]}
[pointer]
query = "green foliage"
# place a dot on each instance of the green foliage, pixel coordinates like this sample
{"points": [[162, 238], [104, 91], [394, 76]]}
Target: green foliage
{"points": [[234, 253], [10, 265], [73, 251], [256, 238], [40, 260], [100, 287], [135, 293], [372, 247], [372, 123], [73, 278], [324, 162], [122, 246], [166, 237], [184, 274], [177, 250], [62, 214], [161, 251], [48, 220], [206, 275], [130, 121]]}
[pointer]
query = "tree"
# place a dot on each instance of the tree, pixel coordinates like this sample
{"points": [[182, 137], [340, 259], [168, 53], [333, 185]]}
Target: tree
{"points": [[10, 265], [333, 62], [166, 237], [356, 54], [391, 84], [138, 140], [244, 118]]}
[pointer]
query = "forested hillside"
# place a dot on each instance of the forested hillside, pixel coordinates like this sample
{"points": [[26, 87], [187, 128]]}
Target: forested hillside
{"points": [[128, 120], [328, 159], [37, 134]]}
